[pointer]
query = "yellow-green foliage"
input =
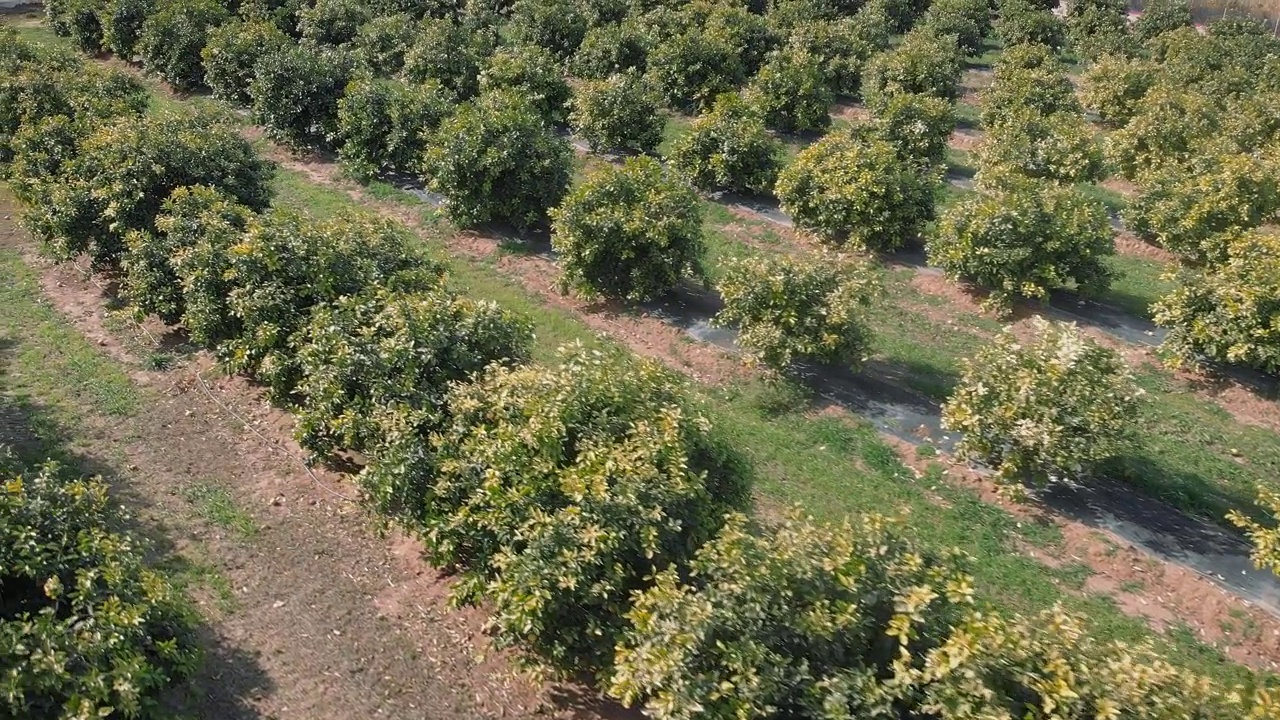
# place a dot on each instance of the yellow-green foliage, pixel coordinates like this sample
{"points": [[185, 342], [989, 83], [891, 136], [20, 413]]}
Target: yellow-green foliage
{"points": [[1229, 313], [1266, 540], [799, 309], [1051, 406]]}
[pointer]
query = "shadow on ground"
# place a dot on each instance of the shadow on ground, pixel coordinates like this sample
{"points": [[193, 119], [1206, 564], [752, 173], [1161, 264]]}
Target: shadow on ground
{"points": [[229, 678]]}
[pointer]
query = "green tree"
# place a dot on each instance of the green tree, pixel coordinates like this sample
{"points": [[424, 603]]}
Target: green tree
{"points": [[295, 94], [1161, 16], [231, 57], [1113, 87], [383, 42], [384, 125], [618, 113], [629, 233], [1060, 146], [395, 351], [792, 309], [1168, 128], [918, 126], [557, 26], [448, 53], [968, 20], [728, 148], [609, 49], [822, 620], [533, 72], [495, 159], [122, 22], [87, 629], [857, 191], [560, 491], [692, 68], [332, 22], [173, 36], [1051, 406], [1030, 238], [1228, 312], [1099, 27], [843, 47], [923, 63], [791, 92], [1023, 22]]}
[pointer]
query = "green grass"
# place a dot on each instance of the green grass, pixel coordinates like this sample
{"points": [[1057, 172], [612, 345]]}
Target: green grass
{"points": [[215, 505], [1139, 283]]}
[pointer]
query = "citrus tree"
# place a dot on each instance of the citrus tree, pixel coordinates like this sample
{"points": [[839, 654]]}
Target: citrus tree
{"points": [[382, 43], [1023, 22], [560, 491], [857, 191], [396, 351], [1099, 27], [295, 93], [823, 620], [449, 53], [1265, 538], [1114, 85], [1191, 210], [557, 26], [173, 36], [1031, 238], [791, 91], [843, 46], [799, 309], [629, 233], [1060, 146], [1228, 312], [728, 148], [1168, 127], [1161, 16], [122, 24], [332, 22], [967, 20], [1050, 406], [533, 72], [618, 113], [384, 125], [692, 68], [231, 57], [609, 49], [918, 126], [86, 629], [495, 159], [924, 63]]}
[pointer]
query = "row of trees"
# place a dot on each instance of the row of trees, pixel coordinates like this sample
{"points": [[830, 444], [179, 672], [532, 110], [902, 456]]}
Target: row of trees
{"points": [[589, 500]]}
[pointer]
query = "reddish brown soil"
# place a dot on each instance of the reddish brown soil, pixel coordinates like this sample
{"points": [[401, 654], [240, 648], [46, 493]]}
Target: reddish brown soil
{"points": [[321, 617], [1129, 244]]}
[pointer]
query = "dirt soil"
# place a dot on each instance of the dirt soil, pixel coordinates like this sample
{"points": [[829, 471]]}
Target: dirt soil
{"points": [[316, 613]]}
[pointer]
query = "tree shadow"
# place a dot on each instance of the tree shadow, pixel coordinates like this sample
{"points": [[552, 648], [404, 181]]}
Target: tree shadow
{"points": [[229, 678]]}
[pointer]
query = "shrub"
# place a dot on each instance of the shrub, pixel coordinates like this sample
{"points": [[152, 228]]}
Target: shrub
{"points": [[565, 489], [728, 148], [1053, 405], [231, 57], [1026, 241], [383, 42], [496, 160], [799, 309], [1229, 312], [535, 74], [1170, 126], [126, 169], [122, 22], [1113, 87], [923, 64], [791, 92], [748, 33], [384, 125], [1099, 27], [295, 94], [449, 54], [692, 68], [173, 36], [86, 629], [1266, 540], [629, 232], [198, 249], [332, 22], [843, 47], [189, 217], [857, 191], [1161, 16], [84, 26], [1058, 147], [283, 267], [395, 351], [918, 126], [84, 95], [618, 113], [1022, 22], [281, 13], [1188, 209], [967, 20], [557, 26], [610, 49], [808, 620], [1042, 87]]}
